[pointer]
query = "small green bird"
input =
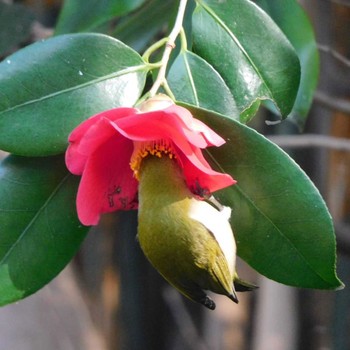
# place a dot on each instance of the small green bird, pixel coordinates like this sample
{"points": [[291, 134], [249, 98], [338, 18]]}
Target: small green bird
{"points": [[187, 240]]}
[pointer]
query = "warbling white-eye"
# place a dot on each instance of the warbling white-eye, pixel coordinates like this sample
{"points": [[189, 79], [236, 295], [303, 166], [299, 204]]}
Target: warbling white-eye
{"points": [[187, 240]]}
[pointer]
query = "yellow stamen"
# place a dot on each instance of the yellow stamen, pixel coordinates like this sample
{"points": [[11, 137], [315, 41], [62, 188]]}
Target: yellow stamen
{"points": [[156, 148]]}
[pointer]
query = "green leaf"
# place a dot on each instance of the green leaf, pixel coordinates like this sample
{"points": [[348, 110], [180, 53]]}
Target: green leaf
{"points": [[194, 81], [291, 18], [40, 232], [249, 51], [15, 23], [49, 87], [281, 223], [86, 15], [136, 31]]}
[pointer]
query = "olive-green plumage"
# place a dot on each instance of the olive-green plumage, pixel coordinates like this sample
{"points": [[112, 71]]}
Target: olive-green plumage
{"points": [[183, 250]]}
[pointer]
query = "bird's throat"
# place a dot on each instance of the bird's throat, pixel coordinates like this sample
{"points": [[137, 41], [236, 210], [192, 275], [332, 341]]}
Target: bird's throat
{"points": [[161, 179]]}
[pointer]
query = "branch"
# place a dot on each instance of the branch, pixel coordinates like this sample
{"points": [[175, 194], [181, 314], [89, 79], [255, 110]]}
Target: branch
{"points": [[170, 45], [334, 103], [311, 140], [183, 319], [341, 2], [335, 54], [342, 231]]}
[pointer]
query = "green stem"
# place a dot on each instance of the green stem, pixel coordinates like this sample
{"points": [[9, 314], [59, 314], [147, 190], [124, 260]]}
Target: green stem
{"points": [[153, 48], [169, 46], [183, 40], [168, 90]]}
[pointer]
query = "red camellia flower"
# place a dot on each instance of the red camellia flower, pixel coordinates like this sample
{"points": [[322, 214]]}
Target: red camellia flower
{"points": [[107, 150]]}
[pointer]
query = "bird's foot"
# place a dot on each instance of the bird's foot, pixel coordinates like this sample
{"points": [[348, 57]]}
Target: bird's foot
{"points": [[207, 302]]}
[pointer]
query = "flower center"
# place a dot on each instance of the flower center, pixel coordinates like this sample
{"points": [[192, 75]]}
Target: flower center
{"points": [[158, 148]]}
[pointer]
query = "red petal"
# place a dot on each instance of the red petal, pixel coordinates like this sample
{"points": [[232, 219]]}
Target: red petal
{"points": [[101, 148], [158, 125], [200, 177], [112, 114], [76, 160], [107, 183], [195, 125], [168, 124]]}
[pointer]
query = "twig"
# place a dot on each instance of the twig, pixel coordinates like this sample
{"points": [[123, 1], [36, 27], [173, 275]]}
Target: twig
{"points": [[340, 2], [311, 140], [335, 103], [183, 320], [342, 231], [335, 54], [169, 47]]}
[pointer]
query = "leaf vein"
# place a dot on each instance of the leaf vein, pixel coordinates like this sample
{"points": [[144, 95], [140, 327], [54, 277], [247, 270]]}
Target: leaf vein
{"points": [[267, 218], [126, 71], [31, 223], [190, 77], [237, 42]]}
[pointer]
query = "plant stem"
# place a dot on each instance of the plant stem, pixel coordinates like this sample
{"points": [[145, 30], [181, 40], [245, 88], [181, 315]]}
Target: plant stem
{"points": [[153, 48], [169, 46], [183, 40]]}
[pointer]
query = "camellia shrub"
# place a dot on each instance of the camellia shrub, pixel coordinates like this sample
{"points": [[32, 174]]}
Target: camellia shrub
{"points": [[91, 127]]}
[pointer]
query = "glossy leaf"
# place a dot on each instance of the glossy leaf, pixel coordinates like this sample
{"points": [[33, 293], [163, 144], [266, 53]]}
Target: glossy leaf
{"points": [[282, 226], [15, 23], [291, 18], [40, 231], [194, 81], [50, 87], [86, 15], [249, 51]]}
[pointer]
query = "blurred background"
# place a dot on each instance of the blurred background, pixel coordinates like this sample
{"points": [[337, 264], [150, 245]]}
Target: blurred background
{"points": [[110, 298]]}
